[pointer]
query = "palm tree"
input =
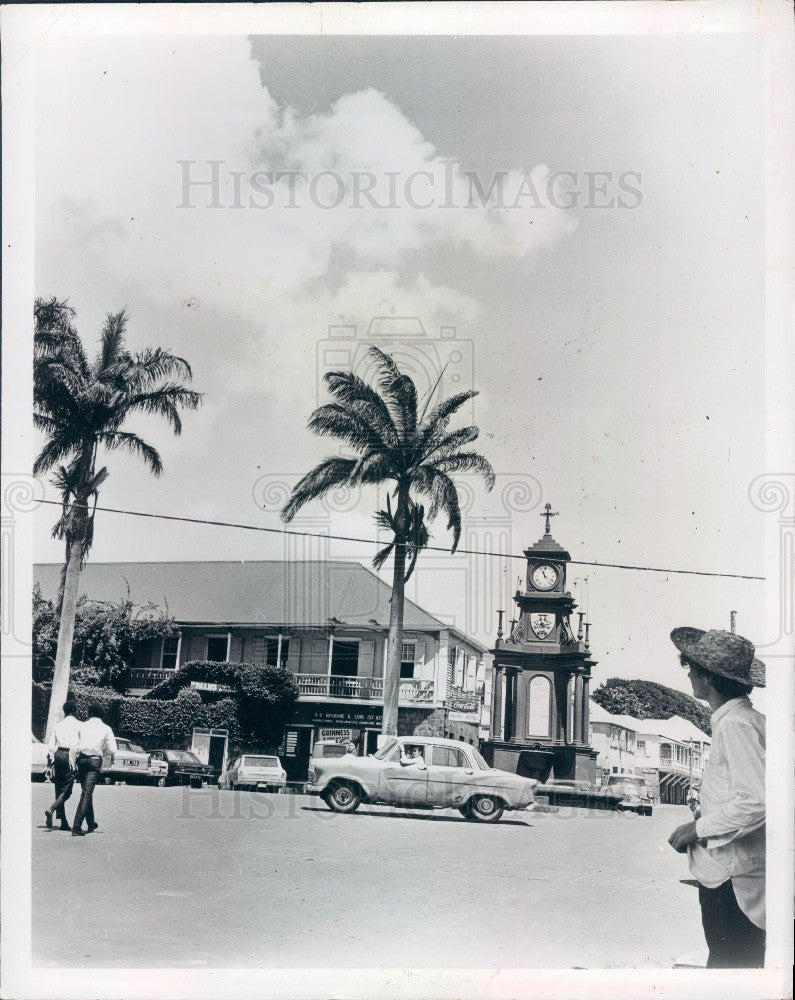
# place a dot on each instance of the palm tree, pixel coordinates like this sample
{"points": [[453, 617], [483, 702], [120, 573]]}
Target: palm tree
{"points": [[81, 406], [414, 452]]}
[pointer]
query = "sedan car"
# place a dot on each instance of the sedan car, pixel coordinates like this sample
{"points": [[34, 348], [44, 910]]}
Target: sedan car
{"points": [[635, 796], [256, 772], [38, 759], [420, 772], [183, 767], [130, 763]]}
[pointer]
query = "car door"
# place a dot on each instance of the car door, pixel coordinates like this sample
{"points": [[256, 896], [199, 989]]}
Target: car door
{"points": [[450, 776], [403, 784]]}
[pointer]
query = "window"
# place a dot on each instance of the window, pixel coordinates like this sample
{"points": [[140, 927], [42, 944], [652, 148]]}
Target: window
{"points": [[460, 661], [272, 651], [345, 658], [216, 648], [641, 745], [615, 770], [538, 713], [168, 658], [469, 683], [665, 752], [448, 757], [407, 657]]}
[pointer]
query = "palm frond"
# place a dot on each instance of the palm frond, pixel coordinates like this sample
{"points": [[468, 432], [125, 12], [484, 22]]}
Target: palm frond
{"points": [[349, 388], [150, 366], [343, 421], [399, 391], [163, 401], [111, 342], [127, 441], [442, 445], [327, 474], [467, 461]]}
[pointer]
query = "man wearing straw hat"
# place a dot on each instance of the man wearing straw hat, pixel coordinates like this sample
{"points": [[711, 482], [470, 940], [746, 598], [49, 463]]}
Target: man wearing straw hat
{"points": [[726, 842]]}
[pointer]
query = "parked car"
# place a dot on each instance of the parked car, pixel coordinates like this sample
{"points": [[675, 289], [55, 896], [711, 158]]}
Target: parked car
{"points": [[38, 759], [636, 796], [129, 764], [183, 767], [420, 772], [256, 772]]}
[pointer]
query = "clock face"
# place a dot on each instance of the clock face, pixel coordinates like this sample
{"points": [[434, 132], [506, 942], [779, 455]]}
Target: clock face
{"points": [[544, 577]]}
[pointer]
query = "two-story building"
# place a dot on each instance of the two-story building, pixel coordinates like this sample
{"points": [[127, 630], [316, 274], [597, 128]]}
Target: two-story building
{"points": [[327, 622], [668, 753]]}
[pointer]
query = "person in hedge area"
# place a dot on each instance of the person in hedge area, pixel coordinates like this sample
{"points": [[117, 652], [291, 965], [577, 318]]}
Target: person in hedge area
{"points": [[94, 738], [62, 737], [726, 842]]}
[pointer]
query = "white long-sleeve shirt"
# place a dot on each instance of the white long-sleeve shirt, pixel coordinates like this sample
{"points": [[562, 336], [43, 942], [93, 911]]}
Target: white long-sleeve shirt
{"points": [[93, 738], [732, 821], [64, 734]]}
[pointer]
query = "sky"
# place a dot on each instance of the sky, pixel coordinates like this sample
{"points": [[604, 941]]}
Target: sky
{"points": [[612, 325]]}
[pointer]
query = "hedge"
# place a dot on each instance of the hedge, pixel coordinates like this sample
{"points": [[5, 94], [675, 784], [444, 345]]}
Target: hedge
{"points": [[254, 723]]}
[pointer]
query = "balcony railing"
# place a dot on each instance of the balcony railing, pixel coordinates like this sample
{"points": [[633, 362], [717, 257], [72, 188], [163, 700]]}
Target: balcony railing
{"points": [[365, 688], [141, 678], [413, 692]]}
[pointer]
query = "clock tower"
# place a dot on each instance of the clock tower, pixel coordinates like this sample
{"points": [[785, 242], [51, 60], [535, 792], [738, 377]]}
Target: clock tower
{"points": [[541, 675]]}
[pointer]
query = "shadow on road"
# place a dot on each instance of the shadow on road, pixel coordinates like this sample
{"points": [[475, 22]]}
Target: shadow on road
{"points": [[428, 818]]}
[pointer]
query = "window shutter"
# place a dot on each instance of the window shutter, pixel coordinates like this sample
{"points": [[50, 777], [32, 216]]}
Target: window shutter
{"points": [[294, 655], [366, 657]]}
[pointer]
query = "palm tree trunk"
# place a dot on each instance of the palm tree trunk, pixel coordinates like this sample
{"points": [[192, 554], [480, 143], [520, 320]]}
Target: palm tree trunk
{"points": [[66, 631], [395, 640]]}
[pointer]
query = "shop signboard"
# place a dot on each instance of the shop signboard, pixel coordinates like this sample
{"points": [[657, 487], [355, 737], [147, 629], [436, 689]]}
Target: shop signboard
{"points": [[463, 709], [211, 686], [335, 735]]}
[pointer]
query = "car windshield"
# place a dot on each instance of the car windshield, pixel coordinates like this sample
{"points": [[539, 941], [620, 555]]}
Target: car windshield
{"points": [[260, 761], [182, 756], [479, 760], [622, 779], [385, 750]]}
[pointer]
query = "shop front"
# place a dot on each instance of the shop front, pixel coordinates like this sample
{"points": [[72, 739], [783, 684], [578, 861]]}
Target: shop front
{"points": [[357, 724]]}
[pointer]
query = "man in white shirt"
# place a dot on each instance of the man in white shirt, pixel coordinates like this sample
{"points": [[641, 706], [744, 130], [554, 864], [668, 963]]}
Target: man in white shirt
{"points": [[94, 738], [62, 738], [726, 843]]}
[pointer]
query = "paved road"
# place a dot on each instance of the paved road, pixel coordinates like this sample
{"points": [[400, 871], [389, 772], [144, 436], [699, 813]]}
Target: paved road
{"points": [[180, 878]]}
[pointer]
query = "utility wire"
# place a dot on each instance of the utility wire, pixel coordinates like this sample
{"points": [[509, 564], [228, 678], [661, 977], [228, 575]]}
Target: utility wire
{"points": [[374, 541]]}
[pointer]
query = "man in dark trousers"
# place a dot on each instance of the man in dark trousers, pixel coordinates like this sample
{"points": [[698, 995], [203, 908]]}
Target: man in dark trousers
{"points": [[62, 738], [726, 842], [94, 738]]}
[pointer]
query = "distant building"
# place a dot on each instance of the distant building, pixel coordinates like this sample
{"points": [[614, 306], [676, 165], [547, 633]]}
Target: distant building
{"points": [[669, 753], [327, 622]]}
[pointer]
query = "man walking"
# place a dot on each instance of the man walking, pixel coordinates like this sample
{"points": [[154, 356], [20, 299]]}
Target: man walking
{"points": [[93, 739], [726, 843], [62, 739]]}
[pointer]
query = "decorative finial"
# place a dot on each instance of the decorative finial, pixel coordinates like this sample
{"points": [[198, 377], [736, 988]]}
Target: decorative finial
{"points": [[499, 624], [548, 514]]}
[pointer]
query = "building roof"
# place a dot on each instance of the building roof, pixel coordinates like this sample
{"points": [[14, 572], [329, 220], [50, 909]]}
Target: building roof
{"points": [[547, 546], [676, 728], [260, 592]]}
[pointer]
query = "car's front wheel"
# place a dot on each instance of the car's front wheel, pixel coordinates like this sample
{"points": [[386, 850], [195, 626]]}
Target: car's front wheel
{"points": [[161, 782], [108, 780], [343, 797], [485, 809]]}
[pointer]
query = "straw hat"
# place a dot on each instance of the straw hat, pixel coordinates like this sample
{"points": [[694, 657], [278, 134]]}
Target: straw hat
{"points": [[723, 653]]}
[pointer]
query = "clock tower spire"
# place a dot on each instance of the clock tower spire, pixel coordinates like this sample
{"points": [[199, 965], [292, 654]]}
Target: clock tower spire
{"points": [[541, 675]]}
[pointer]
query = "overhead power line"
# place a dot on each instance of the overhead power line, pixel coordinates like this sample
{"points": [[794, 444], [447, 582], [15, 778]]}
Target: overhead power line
{"points": [[375, 541]]}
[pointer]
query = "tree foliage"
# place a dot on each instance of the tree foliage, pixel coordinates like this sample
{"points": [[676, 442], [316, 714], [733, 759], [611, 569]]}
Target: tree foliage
{"points": [[650, 700], [264, 696], [105, 638]]}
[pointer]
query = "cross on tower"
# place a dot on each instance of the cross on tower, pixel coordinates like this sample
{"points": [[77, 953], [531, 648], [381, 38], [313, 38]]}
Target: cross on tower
{"points": [[547, 513]]}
